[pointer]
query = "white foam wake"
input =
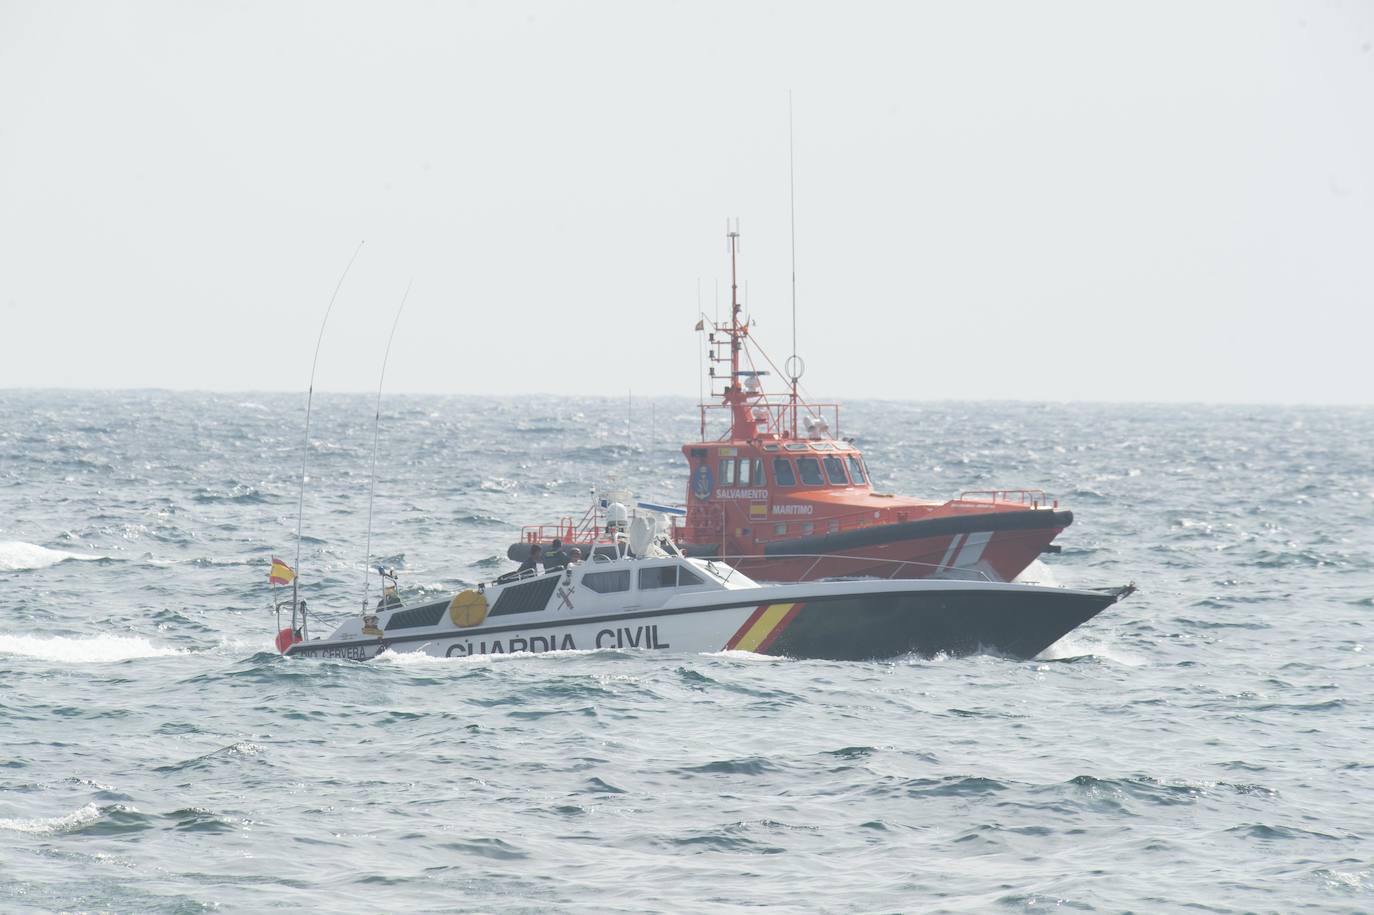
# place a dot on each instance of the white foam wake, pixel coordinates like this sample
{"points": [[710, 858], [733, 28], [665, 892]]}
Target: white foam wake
{"points": [[1037, 573], [18, 556], [1079, 646], [101, 648], [420, 658], [74, 820]]}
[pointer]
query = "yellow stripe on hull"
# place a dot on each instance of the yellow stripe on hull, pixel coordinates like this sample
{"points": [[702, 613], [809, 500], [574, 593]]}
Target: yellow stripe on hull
{"points": [[765, 625]]}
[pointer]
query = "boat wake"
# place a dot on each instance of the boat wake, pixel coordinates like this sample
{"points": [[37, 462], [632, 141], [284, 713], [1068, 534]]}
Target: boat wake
{"points": [[735, 654], [18, 556], [421, 659], [1071, 648], [97, 650]]}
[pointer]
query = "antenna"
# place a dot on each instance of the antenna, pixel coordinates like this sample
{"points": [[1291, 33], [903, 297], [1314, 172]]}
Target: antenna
{"points": [[305, 452], [793, 364], [376, 438], [701, 346]]}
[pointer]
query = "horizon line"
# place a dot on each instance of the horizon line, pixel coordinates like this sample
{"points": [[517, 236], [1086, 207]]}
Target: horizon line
{"points": [[629, 395]]}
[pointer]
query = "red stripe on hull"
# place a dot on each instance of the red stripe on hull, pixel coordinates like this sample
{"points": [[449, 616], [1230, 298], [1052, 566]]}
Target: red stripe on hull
{"points": [[748, 624], [779, 628]]}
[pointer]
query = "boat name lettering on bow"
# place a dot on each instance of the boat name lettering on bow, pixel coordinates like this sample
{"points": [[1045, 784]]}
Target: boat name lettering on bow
{"points": [[347, 652]]}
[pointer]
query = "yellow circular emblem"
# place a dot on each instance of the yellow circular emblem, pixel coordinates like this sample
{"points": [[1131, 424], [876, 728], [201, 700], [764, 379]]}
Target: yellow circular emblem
{"points": [[467, 609]]}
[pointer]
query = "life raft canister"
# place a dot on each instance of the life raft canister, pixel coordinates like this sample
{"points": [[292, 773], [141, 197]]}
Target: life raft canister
{"points": [[467, 608]]}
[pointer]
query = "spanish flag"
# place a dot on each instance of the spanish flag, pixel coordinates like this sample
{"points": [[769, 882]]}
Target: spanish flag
{"points": [[280, 573]]}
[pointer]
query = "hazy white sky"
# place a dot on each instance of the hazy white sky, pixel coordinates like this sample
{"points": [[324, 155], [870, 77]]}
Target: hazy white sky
{"points": [[1106, 201]]}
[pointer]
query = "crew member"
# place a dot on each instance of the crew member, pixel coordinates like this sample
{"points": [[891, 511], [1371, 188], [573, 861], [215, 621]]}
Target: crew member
{"points": [[532, 563], [556, 558]]}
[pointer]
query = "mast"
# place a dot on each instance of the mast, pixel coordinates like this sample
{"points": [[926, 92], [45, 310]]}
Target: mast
{"points": [[742, 425], [793, 364]]}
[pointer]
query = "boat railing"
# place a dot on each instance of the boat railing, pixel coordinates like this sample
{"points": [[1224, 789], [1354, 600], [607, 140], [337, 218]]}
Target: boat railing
{"points": [[565, 528], [892, 567], [1035, 498], [780, 417], [899, 514], [588, 530]]}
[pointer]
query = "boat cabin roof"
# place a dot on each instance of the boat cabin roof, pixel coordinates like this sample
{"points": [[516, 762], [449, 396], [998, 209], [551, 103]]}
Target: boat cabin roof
{"points": [[601, 585]]}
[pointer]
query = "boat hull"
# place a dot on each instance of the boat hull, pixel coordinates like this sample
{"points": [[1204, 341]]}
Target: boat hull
{"points": [[1017, 621], [996, 546]]}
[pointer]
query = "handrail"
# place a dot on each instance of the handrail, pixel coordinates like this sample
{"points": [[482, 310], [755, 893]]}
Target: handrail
{"points": [[1032, 497], [817, 558], [730, 563], [775, 421]]}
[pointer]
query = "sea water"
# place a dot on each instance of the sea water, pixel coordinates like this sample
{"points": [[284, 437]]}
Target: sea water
{"points": [[1208, 744]]}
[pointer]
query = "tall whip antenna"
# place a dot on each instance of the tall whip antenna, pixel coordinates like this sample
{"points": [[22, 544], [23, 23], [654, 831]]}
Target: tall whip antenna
{"points": [[794, 364], [377, 429], [305, 452], [376, 438]]}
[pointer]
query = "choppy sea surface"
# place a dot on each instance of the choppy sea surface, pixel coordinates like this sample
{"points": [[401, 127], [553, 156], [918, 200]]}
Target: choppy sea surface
{"points": [[1206, 745]]}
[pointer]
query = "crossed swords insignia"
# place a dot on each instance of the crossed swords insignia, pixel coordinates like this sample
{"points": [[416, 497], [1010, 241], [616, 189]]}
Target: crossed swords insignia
{"points": [[565, 596]]}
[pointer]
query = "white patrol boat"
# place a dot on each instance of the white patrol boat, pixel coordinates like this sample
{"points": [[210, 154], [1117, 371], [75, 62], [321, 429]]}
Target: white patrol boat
{"points": [[648, 595]]}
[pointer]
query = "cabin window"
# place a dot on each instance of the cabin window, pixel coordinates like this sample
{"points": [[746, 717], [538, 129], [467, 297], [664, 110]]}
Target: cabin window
{"points": [[607, 582], [798, 446], [525, 598], [856, 469], [727, 472], [417, 616], [810, 469], [782, 472], [744, 475], [823, 446], [686, 576], [834, 471], [808, 528], [658, 577], [780, 529]]}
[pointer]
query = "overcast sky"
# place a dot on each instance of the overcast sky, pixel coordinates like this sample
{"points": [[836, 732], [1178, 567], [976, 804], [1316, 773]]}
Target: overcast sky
{"points": [[1097, 201]]}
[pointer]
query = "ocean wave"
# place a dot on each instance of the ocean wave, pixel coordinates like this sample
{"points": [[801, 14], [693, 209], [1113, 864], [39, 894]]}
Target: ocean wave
{"points": [[68, 822], [92, 650], [18, 556], [241, 750], [88, 820]]}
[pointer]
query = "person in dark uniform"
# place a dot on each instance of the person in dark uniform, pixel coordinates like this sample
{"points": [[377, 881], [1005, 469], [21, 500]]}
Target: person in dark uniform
{"points": [[532, 563], [556, 559]]}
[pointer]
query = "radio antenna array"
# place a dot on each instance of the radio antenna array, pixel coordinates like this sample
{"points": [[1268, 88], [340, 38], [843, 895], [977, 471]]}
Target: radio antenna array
{"points": [[305, 452], [376, 438]]}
